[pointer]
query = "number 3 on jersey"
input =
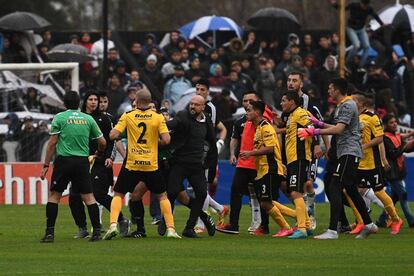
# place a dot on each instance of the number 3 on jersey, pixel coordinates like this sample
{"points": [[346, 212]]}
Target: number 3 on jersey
{"points": [[141, 139]]}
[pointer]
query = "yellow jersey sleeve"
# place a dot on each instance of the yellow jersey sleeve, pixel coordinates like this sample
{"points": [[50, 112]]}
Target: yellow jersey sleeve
{"points": [[376, 126], [268, 135], [163, 126], [303, 119], [122, 123]]}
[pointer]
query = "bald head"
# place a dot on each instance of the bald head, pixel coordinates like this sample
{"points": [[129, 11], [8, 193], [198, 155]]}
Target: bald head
{"points": [[143, 97], [197, 105]]}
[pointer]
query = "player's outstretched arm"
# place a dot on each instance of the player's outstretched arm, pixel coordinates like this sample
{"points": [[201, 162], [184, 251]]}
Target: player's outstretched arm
{"points": [[114, 134]]}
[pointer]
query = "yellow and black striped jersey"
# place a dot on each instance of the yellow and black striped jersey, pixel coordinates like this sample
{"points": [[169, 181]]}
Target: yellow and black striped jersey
{"points": [[371, 127], [296, 149], [143, 128], [265, 136]]}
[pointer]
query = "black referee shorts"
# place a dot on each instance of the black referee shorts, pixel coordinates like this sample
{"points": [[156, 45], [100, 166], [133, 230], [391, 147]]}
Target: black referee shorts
{"points": [[297, 175], [371, 179], [127, 180], [74, 170]]}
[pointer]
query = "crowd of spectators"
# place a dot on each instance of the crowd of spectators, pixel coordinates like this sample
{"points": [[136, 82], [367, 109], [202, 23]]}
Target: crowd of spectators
{"points": [[240, 65]]}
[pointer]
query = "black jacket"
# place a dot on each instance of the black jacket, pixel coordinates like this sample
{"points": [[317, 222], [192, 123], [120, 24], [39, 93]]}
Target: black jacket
{"points": [[180, 128]]}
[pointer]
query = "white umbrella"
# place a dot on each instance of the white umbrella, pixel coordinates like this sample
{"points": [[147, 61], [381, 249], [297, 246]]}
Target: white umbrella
{"points": [[397, 15]]}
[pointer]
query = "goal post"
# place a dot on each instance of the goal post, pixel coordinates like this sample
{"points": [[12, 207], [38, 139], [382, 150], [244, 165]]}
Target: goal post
{"points": [[72, 66]]}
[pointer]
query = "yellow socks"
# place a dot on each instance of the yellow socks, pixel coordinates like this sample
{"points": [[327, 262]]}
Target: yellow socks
{"points": [[300, 213], [388, 205], [116, 206], [278, 217], [286, 211], [354, 209], [166, 211]]}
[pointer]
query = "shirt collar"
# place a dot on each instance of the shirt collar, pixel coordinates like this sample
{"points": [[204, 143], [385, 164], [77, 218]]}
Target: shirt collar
{"points": [[347, 98]]}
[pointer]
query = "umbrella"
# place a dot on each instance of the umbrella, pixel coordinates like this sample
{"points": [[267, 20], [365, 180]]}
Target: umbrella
{"points": [[274, 19], [182, 103], [398, 15], [210, 23], [9, 82], [22, 21], [70, 53]]}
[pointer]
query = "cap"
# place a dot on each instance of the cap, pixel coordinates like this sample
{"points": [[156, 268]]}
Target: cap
{"points": [[120, 63], [152, 57], [179, 67], [28, 118]]}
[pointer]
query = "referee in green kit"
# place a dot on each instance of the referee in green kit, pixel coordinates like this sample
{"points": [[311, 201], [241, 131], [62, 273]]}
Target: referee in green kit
{"points": [[69, 138]]}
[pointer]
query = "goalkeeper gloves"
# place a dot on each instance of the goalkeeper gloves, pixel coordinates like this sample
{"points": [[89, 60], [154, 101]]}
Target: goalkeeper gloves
{"points": [[316, 122], [309, 132]]}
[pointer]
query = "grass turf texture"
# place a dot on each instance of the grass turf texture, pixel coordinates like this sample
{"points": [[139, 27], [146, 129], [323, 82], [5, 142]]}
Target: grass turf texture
{"points": [[21, 228]]}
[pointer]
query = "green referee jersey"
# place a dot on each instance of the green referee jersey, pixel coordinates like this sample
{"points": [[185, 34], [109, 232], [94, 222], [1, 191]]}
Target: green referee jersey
{"points": [[75, 130]]}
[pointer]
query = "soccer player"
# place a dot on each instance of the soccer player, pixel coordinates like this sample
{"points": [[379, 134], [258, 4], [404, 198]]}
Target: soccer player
{"points": [[144, 128], [370, 169], [245, 173], [349, 152], [69, 138], [269, 167], [101, 170], [298, 158], [295, 82]]}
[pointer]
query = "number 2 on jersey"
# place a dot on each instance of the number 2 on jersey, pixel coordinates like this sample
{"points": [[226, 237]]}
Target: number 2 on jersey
{"points": [[141, 139]]}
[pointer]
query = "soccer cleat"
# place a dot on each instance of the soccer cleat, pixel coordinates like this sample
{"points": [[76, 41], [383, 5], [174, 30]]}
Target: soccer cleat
{"points": [[199, 229], [358, 228], [111, 233], [309, 232], [396, 226], [83, 233], [124, 227], [368, 229], [162, 228], [96, 236], [48, 238], [284, 233], [223, 215], [171, 233], [328, 235], [298, 235], [344, 229], [208, 223], [190, 233], [155, 221], [138, 234], [253, 226], [260, 231], [228, 229]]}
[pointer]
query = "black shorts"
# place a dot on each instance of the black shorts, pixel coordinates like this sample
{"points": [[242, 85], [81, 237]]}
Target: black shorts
{"points": [[371, 179], [297, 175], [127, 180], [268, 187], [346, 170], [74, 170]]}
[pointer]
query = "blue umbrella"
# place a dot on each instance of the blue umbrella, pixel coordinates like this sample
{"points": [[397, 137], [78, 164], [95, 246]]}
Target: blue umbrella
{"points": [[210, 23]]}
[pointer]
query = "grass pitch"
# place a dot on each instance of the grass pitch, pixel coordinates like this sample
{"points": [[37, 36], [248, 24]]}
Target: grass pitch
{"points": [[21, 228]]}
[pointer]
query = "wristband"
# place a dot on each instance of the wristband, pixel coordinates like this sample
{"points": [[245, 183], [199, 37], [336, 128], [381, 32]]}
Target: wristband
{"points": [[317, 131]]}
